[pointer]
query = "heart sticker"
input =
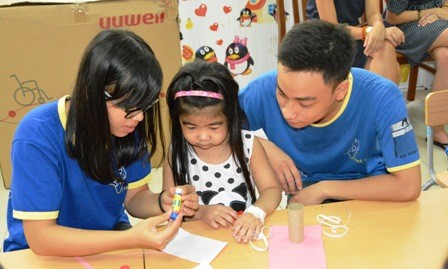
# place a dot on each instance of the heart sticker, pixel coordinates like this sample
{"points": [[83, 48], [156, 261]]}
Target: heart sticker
{"points": [[214, 27], [201, 10], [227, 9]]}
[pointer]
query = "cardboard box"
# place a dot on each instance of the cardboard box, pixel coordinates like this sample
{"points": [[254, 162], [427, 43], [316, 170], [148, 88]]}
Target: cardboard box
{"points": [[41, 47]]}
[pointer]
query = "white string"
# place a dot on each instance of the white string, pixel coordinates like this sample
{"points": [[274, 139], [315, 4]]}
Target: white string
{"points": [[264, 237], [337, 229]]}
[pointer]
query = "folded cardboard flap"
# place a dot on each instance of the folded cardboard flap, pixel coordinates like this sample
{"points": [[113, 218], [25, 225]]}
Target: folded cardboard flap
{"points": [[42, 45], [39, 2]]}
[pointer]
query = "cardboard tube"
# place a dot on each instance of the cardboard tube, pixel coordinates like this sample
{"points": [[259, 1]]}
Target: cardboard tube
{"points": [[295, 222]]}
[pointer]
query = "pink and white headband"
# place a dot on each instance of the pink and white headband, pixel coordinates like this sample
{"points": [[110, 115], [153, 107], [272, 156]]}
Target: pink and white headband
{"points": [[199, 93]]}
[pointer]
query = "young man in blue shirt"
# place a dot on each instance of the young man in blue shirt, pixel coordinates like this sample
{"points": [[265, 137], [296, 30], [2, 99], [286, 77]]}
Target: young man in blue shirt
{"points": [[335, 132]]}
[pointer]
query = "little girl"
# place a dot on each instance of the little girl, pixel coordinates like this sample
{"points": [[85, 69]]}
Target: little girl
{"points": [[211, 151]]}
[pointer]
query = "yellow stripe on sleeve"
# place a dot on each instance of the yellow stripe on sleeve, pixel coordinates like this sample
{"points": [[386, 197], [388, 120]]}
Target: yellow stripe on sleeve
{"points": [[23, 215], [402, 167], [140, 183]]}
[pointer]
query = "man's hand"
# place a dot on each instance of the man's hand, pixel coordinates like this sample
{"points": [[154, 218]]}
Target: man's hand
{"points": [[311, 195], [284, 167]]}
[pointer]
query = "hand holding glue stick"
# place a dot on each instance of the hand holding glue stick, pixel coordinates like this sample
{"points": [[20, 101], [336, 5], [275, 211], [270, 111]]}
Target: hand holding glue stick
{"points": [[177, 202], [181, 199]]}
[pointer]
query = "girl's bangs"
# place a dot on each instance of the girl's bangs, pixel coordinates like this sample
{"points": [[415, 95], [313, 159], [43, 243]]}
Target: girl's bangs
{"points": [[136, 92]]}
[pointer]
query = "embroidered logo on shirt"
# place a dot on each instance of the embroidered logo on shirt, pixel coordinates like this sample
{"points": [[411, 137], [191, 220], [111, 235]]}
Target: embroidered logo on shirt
{"points": [[404, 143], [354, 150], [123, 174], [118, 185]]}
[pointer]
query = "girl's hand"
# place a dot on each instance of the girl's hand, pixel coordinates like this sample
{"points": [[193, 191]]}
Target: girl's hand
{"points": [[374, 40], [427, 19], [218, 216], [189, 199], [394, 35], [146, 234], [246, 227]]}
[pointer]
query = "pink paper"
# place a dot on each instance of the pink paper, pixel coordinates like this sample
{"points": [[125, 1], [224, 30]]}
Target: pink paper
{"points": [[308, 254]]}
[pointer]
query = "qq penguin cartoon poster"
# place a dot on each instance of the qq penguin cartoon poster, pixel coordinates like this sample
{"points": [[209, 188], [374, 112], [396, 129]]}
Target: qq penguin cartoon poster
{"points": [[242, 35]]}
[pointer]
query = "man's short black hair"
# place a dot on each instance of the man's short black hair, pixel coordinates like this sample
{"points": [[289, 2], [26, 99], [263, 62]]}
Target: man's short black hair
{"points": [[321, 47]]}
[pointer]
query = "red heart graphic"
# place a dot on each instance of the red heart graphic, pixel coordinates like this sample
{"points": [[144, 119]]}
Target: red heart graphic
{"points": [[214, 27], [201, 10], [227, 9], [219, 42]]}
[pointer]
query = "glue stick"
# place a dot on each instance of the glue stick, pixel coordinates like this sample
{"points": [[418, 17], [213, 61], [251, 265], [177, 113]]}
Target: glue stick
{"points": [[176, 204], [446, 152]]}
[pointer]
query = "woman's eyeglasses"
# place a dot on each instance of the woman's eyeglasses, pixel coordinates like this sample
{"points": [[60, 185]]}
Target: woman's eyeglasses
{"points": [[133, 112]]}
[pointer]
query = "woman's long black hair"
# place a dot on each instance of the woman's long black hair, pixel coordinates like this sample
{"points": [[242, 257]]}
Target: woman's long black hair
{"points": [[123, 64], [214, 77]]}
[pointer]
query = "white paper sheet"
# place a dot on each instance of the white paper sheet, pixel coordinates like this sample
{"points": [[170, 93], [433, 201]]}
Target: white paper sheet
{"points": [[194, 248]]}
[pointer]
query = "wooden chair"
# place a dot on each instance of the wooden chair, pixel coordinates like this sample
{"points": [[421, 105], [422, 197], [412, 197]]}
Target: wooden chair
{"points": [[413, 73], [297, 15], [281, 20], [436, 113]]}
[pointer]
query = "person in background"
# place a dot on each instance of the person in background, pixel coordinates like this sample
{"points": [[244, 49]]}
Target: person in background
{"points": [[211, 151], [424, 24], [375, 44], [79, 162], [335, 132]]}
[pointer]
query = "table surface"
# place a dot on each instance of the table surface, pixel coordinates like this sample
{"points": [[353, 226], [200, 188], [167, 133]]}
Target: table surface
{"points": [[382, 235]]}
